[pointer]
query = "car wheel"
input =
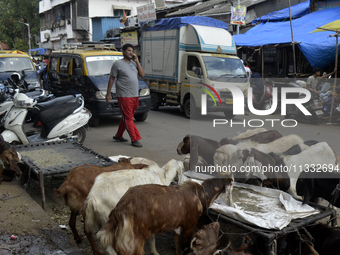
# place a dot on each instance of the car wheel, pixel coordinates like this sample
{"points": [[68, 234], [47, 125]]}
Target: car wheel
{"points": [[190, 109], [81, 134], [94, 121], [154, 101], [141, 116], [229, 114]]}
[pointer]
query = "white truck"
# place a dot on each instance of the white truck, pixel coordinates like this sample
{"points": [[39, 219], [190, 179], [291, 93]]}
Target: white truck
{"points": [[184, 57]]}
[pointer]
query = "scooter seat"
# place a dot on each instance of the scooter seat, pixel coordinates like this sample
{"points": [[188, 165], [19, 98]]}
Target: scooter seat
{"points": [[51, 117], [57, 112], [43, 106], [55, 101]]}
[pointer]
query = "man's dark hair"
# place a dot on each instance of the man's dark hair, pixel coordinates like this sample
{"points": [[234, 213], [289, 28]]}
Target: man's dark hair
{"points": [[253, 69], [316, 69], [125, 46]]}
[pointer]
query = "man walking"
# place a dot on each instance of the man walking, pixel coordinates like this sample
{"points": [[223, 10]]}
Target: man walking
{"points": [[125, 71]]}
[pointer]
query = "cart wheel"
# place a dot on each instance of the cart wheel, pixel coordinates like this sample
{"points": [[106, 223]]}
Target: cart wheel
{"points": [[81, 134]]}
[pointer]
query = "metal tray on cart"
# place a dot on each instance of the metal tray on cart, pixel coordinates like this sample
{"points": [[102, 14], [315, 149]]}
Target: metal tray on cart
{"points": [[269, 237], [48, 159]]}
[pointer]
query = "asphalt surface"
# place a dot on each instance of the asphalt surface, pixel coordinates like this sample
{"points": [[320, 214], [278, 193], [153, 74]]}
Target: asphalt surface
{"points": [[34, 230]]}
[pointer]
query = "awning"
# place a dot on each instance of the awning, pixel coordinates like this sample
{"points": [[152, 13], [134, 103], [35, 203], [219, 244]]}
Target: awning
{"points": [[318, 48], [116, 7], [38, 51], [297, 11]]}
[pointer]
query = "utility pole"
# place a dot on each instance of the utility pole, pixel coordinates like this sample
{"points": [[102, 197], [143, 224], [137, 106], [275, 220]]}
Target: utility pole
{"points": [[291, 30], [29, 36], [238, 26]]}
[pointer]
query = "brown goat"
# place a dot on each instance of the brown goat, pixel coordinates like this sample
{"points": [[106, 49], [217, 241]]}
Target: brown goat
{"points": [[299, 244], [9, 166], [148, 209], [78, 184], [205, 239], [327, 239]]}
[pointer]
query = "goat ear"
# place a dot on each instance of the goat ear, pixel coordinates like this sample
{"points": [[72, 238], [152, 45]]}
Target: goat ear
{"points": [[186, 139]]}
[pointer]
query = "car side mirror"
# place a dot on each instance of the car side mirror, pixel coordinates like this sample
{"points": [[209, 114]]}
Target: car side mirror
{"points": [[78, 71]]}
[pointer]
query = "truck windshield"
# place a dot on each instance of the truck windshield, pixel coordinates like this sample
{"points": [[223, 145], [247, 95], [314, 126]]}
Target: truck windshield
{"points": [[10, 64], [223, 69], [100, 65]]}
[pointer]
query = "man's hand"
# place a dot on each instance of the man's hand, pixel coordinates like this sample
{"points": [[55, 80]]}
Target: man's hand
{"points": [[108, 97], [135, 58]]}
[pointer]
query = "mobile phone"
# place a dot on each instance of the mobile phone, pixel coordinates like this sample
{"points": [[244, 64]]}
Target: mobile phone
{"points": [[133, 57]]}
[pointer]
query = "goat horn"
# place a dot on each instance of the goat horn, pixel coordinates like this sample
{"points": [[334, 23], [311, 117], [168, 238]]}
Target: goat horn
{"points": [[192, 241]]}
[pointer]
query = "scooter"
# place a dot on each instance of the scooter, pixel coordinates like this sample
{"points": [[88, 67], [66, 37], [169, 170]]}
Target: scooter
{"points": [[65, 121], [7, 91], [314, 106], [266, 100]]}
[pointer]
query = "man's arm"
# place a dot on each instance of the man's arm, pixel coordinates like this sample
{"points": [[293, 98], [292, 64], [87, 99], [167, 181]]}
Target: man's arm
{"points": [[140, 69], [326, 75], [308, 86], [109, 87]]}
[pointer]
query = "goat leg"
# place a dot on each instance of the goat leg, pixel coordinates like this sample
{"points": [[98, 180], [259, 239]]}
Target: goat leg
{"points": [[72, 224], [152, 244], [92, 242]]}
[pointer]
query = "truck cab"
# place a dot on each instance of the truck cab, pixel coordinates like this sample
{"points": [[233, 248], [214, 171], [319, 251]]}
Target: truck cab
{"points": [[186, 57]]}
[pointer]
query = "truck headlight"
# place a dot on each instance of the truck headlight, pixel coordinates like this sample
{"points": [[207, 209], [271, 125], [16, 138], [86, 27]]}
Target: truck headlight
{"points": [[144, 92], [101, 94]]}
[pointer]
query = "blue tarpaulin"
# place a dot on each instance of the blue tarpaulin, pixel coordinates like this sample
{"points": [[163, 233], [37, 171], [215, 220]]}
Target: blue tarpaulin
{"points": [[297, 11], [318, 48], [175, 23], [38, 51]]}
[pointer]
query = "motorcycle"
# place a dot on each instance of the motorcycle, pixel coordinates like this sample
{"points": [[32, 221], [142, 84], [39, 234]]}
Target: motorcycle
{"points": [[314, 106], [326, 99], [266, 100], [63, 121], [7, 91]]}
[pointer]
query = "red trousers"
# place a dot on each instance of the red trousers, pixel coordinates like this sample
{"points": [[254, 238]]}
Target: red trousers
{"points": [[128, 106]]}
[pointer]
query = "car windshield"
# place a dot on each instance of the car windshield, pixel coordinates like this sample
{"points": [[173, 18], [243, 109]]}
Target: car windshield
{"points": [[13, 64], [100, 65], [223, 69]]}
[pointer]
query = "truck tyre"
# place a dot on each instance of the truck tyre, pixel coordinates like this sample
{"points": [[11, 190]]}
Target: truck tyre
{"points": [[190, 109], [229, 114], [141, 116], [81, 134], [154, 101]]}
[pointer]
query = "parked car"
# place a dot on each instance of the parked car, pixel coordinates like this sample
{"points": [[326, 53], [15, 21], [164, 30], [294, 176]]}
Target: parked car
{"points": [[85, 69], [18, 62]]}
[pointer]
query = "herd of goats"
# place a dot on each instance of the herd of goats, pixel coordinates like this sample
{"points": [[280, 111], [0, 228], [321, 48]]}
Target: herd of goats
{"points": [[135, 198]]}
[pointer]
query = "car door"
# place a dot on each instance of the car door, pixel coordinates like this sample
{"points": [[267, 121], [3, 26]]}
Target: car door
{"points": [[64, 74]]}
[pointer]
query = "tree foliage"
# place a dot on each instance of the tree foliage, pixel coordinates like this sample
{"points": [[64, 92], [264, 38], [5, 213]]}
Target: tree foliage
{"points": [[13, 33]]}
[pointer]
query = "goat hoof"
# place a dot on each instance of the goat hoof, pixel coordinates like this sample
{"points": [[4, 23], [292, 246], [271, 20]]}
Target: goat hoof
{"points": [[78, 240]]}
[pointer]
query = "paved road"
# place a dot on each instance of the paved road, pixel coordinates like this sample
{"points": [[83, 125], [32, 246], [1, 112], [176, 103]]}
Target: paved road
{"points": [[164, 129]]}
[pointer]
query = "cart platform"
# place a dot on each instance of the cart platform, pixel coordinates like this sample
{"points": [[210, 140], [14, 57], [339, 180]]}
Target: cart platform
{"points": [[48, 159]]}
